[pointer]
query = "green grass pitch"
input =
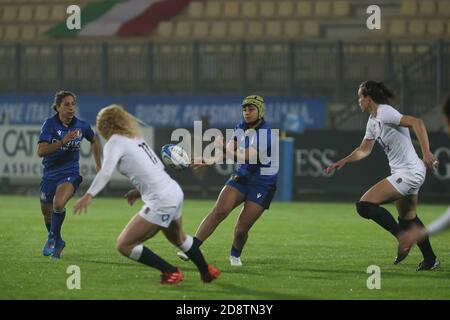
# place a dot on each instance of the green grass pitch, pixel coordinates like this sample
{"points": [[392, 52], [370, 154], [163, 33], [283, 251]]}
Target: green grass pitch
{"points": [[295, 251]]}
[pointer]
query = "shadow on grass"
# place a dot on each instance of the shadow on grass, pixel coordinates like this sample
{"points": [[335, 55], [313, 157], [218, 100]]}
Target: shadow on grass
{"points": [[221, 290], [409, 273]]}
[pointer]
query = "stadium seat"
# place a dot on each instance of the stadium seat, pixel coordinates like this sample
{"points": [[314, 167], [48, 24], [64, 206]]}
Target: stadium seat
{"points": [[135, 50], [43, 28], [292, 29], [200, 29], [311, 29], [249, 9], [195, 9], [231, 9], [408, 7], [218, 29], [213, 9], [9, 13], [25, 13], [444, 7], [371, 49], [259, 48], [436, 28], [286, 8], [11, 32], [237, 29], [267, 9], [255, 29], [304, 9], [117, 50], [58, 12], [341, 8], [273, 29], [416, 27], [405, 49], [28, 32], [41, 13], [397, 27], [427, 8], [182, 29], [165, 29], [323, 8]]}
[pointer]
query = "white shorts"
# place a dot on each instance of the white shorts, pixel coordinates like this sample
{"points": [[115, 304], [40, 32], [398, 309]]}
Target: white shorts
{"points": [[164, 211], [409, 182]]}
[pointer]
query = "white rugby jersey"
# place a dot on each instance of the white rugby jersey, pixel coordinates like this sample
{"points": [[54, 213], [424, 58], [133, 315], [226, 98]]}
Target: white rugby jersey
{"points": [[138, 162], [394, 139]]}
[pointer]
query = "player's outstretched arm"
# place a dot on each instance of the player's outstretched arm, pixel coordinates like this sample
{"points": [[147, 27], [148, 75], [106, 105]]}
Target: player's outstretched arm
{"points": [[220, 156], [420, 130], [359, 153]]}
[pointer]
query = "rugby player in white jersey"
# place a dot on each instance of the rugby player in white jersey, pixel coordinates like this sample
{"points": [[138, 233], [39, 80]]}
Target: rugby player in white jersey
{"points": [[390, 129], [162, 196], [417, 234]]}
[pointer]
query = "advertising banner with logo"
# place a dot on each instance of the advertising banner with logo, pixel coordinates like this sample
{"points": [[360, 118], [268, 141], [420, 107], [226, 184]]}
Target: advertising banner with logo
{"points": [[18, 153], [293, 113], [315, 151]]}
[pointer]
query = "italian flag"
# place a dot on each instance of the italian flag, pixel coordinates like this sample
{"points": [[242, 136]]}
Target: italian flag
{"points": [[120, 18]]}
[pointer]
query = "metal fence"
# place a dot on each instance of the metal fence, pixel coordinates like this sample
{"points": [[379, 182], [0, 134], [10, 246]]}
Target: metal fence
{"points": [[332, 69], [420, 82]]}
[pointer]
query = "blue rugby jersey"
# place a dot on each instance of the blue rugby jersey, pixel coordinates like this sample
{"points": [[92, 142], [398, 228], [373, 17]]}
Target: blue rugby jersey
{"points": [[64, 161], [253, 171]]}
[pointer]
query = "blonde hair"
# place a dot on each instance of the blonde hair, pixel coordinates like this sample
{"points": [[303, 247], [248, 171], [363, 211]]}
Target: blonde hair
{"points": [[114, 119]]}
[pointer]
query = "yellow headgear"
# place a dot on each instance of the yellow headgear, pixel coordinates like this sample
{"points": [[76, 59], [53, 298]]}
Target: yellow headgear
{"points": [[257, 101]]}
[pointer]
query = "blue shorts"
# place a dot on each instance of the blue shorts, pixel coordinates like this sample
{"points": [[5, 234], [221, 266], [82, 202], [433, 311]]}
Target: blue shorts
{"points": [[257, 193], [48, 186]]}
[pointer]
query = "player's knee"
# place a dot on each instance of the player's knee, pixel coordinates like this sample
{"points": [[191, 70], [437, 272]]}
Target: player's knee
{"points": [[58, 205], [365, 209], [123, 247]]}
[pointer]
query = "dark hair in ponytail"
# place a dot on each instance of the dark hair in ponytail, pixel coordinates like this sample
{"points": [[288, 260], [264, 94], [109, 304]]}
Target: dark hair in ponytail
{"points": [[377, 91], [59, 96], [446, 107]]}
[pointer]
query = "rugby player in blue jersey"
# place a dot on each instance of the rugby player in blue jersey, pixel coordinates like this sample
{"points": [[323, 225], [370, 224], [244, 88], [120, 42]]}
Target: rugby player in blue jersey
{"points": [[248, 184], [59, 146]]}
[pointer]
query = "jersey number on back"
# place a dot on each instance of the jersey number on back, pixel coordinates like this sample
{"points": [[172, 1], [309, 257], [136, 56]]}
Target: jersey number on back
{"points": [[149, 152]]}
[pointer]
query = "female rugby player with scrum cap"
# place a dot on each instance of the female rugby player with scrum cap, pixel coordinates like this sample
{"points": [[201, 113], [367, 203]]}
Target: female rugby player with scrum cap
{"points": [[249, 184]]}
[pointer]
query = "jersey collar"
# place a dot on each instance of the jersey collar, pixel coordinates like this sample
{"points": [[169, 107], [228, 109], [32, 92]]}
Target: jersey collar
{"points": [[257, 127], [71, 124]]}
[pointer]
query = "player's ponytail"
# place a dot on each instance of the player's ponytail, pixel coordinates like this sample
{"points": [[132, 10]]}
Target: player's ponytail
{"points": [[377, 91], [59, 97]]}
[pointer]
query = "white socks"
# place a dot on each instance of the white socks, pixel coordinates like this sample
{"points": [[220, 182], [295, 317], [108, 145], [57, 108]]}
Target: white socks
{"points": [[187, 244], [136, 252]]}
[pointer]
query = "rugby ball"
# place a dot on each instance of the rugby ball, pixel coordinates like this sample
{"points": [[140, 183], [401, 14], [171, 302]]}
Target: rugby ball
{"points": [[175, 157]]}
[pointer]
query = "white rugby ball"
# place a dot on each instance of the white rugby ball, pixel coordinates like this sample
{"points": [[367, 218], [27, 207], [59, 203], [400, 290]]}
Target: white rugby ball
{"points": [[175, 157]]}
